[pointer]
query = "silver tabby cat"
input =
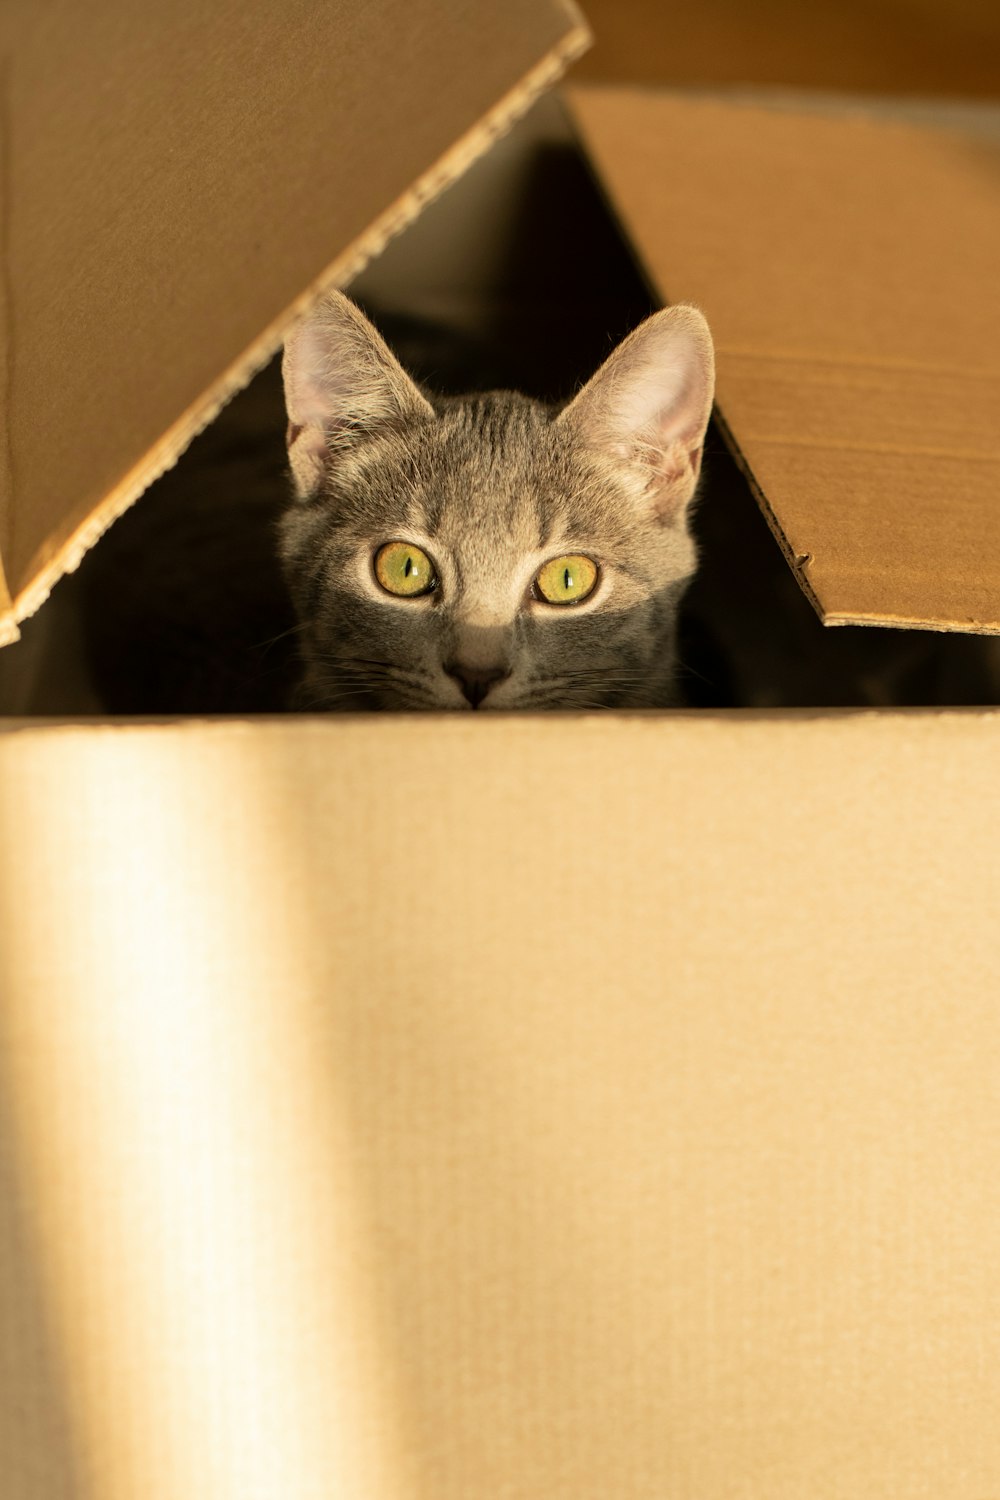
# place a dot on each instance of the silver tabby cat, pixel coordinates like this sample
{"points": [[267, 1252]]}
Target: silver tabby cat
{"points": [[490, 552]]}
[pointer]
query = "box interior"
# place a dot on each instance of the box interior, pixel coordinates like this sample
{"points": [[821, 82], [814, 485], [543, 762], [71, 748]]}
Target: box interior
{"points": [[518, 276]]}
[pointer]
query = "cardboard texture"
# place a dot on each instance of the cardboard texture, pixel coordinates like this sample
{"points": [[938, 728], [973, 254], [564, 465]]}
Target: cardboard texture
{"points": [[177, 181], [848, 267], [909, 48], [426, 1108], [417, 1109]]}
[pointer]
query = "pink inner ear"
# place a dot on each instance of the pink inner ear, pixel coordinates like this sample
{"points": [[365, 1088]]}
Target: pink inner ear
{"points": [[673, 473], [307, 454], [660, 395], [647, 408], [680, 461], [677, 402], [313, 387]]}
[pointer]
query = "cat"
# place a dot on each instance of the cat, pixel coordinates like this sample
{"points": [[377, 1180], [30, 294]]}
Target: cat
{"points": [[183, 609], [490, 552]]}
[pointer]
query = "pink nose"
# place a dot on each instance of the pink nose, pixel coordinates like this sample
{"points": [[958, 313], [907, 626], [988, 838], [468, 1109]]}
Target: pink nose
{"points": [[475, 681]]}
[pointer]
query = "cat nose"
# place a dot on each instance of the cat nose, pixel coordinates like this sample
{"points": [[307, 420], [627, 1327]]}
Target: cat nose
{"points": [[475, 681]]}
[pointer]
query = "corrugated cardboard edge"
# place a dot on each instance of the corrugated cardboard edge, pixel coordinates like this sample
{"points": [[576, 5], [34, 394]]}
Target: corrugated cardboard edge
{"points": [[165, 453], [799, 561]]}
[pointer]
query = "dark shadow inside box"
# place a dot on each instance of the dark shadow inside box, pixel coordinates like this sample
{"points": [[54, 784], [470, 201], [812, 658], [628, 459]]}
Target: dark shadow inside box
{"points": [[181, 608]]}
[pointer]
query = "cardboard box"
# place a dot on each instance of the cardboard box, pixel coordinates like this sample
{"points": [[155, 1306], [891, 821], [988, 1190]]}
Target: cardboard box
{"points": [[415, 1107]]}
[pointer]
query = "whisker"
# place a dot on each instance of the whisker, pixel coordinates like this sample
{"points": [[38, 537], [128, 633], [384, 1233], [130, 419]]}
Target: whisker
{"points": [[281, 636]]}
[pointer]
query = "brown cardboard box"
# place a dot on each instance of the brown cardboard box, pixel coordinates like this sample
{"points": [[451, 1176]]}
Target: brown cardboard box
{"points": [[502, 1107]]}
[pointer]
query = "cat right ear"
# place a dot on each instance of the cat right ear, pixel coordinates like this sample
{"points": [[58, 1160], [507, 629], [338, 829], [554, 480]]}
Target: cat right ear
{"points": [[341, 382], [645, 412]]}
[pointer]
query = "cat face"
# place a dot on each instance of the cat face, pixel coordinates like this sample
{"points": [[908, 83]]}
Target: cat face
{"points": [[490, 552]]}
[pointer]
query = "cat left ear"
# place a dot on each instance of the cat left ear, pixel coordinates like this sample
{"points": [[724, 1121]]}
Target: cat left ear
{"points": [[646, 410], [342, 383]]}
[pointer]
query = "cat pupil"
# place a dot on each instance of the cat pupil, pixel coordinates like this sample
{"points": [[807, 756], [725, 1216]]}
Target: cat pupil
{"points": [[409, 567], [566, 579]]}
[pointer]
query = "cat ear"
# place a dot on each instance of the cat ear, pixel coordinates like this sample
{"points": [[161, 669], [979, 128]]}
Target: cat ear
{"points": [[646, 409], [341, 381]]}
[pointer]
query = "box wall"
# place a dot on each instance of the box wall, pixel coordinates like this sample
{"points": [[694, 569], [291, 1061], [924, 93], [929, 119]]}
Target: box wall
{"points": [[899, 47], [635, 1078]]}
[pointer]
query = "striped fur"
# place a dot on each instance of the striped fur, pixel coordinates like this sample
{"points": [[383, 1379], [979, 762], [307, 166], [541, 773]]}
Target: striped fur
{"points": [[491, 487]]}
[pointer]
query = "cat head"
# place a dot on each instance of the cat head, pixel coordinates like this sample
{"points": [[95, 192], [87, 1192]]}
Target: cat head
{"points": [[490, 551]]}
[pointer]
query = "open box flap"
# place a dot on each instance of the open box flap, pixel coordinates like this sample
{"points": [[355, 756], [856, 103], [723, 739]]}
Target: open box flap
{"points": [[178, 179], [849, 267]]}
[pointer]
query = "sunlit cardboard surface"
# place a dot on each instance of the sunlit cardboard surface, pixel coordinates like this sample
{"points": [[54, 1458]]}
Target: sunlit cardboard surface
{"points": [[423, 1108]]}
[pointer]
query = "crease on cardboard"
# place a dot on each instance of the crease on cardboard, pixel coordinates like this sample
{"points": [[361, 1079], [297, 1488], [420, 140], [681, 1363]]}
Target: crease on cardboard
{"points": [[162, 456], [811, 361], [948, 115], [835, 445]]}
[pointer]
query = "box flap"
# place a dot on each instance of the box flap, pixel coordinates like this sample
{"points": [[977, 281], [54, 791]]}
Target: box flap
{"points": [[176, 179], [565, 1107], [848, 265]]}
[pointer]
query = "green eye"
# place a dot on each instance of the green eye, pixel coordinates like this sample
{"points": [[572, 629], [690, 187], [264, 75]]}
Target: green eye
{"points": [[404, 570], [567, 580]]}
